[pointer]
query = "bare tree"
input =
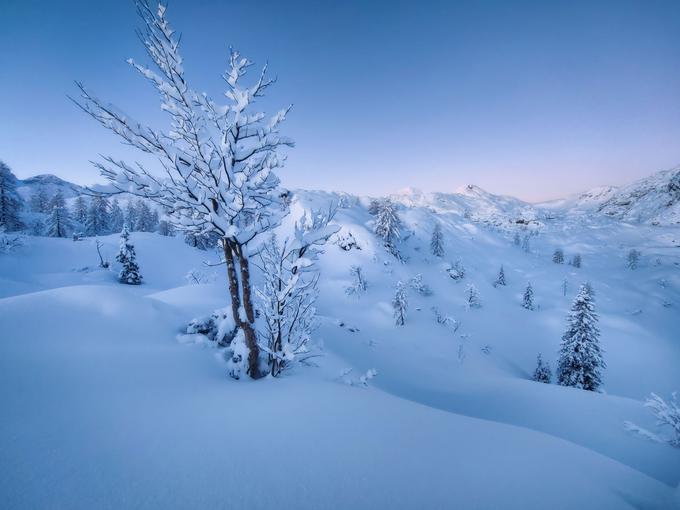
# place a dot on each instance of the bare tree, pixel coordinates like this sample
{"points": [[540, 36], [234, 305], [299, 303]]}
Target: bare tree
{"points": [[217, 160]]}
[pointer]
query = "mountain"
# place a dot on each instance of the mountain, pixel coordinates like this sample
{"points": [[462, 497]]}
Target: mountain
{"points": [[50, 183], [653, 200]]}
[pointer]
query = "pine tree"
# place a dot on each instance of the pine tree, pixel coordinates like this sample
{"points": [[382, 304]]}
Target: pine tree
{"points": [[576, 260], [400, 304], [144, 219], [558, 256], [542, 373], [387, 223], [501, 278], [130, 215], [472, 299], [633, 259], [59, 221], [97, 217], [565, 285], [79, 214], [528, 298], [129, 274], [39, 201], [580, 358], [116, 218], [516, 239], [11, 202], [437, 242]]}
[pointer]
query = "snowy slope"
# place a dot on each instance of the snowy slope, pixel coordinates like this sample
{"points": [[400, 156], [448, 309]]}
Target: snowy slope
{"points": [[50, 184]]}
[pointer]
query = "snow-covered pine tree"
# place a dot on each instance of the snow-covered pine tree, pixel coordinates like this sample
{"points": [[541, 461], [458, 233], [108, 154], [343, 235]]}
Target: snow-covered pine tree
{"points": [[580, 358], [165, 228], [39, 201], [565, 285], [154, 225], [129, 273], [558, 256], [97, 216], [472, 299], [212, 155], [359, 284], [528, 297], [130, 214], [576, 260], [633, 259], [289, 292], [79, 213], [501, 278], [387, 223], [542, 373], [144, 218], [11, 202], [418, 284], [437, 241], [116, 217], [400, 304], [59, 222]]}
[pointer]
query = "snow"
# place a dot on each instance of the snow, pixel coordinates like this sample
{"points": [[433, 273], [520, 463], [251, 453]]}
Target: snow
{"points": [[108, 405]]}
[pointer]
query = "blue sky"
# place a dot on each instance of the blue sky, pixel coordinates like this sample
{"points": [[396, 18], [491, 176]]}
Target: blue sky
{"points": [[532, 99]]}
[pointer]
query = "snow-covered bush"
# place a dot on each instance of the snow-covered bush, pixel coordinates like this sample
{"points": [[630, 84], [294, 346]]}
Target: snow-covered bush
{"points": [[359, 284], [580, 361], [667, 416], [456, 271], [400, 304], [129, 273], [199, 277], [542, 373], [219, 327], [472, 299], [417, 284], [9, 242], [288, 294], [346, 241], [558, 256], [445, 320], [528, 297], [500, 280], [633, 259], [361, 381], [437, 241]]}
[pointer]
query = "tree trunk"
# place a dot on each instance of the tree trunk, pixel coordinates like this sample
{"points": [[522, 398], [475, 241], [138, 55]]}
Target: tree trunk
{"points": [[241, 294]]}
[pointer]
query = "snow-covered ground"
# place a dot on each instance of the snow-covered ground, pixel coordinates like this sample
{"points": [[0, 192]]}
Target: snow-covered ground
{"points": [[106, 405]]}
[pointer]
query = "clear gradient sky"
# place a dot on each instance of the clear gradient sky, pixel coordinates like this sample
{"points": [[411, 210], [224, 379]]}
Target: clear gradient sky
{"points": [[532, 99]]}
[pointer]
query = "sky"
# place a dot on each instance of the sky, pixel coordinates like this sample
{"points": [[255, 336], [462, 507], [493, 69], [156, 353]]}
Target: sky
{"points": [[534, 99]]}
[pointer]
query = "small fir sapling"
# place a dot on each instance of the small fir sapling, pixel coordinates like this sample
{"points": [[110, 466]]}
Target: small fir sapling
{"points": [[542, 373], [528, 297], [400, 304], [500, 280], [472, 299], [437, 241], [129, 274]]}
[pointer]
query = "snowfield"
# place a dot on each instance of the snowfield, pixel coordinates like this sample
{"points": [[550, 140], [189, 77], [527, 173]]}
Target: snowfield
{"points": [[108, 404]]}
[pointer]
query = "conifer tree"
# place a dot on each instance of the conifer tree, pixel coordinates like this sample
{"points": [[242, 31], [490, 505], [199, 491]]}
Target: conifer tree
{"points": [[387, 223], [11, 202], [39, 201], [576, 261], [558, 256], [130, 215], [79, 214], [633, 259], [129, 273], [472, 299], [116, 217], [400, 304], [437, 242], [565, 285], [528, 298], [580, 357], [359, 284], [542, 373], [501, 278], [144, 218], [97, 217], [59, 221]]}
